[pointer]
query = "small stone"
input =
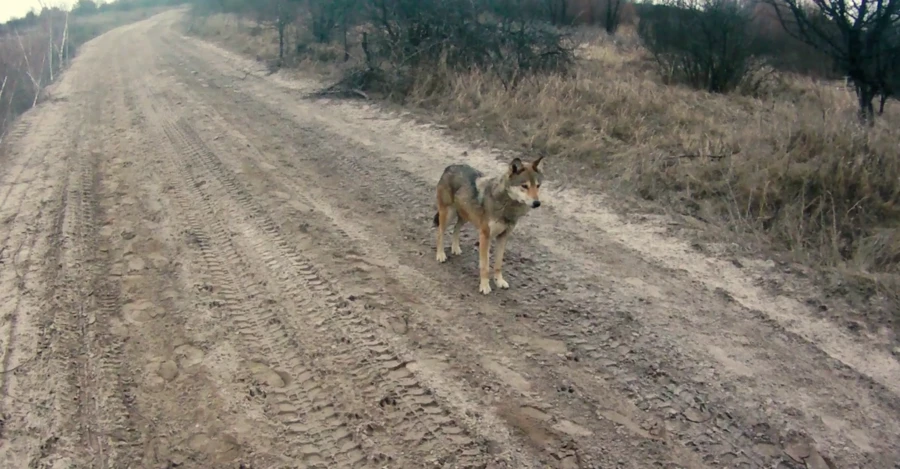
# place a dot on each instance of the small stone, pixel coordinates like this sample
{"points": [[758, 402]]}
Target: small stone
{"points": [[696, 415], [798, 451]]}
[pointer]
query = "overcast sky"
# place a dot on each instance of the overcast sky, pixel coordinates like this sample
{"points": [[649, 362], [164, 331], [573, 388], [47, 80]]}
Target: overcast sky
{"points": [[18, 8]]}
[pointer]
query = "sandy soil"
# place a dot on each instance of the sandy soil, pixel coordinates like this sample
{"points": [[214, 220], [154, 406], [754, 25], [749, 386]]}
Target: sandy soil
{"points": [[202, 267]]}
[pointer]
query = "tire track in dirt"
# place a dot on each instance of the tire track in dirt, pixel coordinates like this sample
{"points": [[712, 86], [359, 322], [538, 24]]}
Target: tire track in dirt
{"points": [[553, 431], [377, 373], [625, 351], [203, 401], [320, 431], [31, 181], [18, 236], [370, 182], [564, 430], [291, 411], [418, 417], [87, 298], [15, 136], [20, 128], [76, 367], [297, 400], [342, 329]]}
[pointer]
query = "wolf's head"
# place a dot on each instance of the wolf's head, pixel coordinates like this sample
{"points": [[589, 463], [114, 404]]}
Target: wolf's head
{"points": [[524, 182]]}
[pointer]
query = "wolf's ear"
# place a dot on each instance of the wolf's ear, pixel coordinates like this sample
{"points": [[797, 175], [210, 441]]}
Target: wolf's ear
{"points": [[516, 166], [535, 163]]}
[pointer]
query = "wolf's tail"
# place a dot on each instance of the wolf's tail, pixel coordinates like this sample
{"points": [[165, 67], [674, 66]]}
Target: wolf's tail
{"points": [[437, 217]]}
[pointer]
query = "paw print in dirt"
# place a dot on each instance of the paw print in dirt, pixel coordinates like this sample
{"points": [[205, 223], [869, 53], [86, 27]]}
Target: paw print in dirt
{"points": [[566, 388]]}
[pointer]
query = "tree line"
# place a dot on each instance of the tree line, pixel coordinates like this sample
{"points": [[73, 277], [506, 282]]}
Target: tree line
{"points": [[715, 45]]}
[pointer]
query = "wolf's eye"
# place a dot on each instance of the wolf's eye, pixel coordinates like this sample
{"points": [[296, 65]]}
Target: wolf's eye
{"points": [[524, 186], [538, 186]]}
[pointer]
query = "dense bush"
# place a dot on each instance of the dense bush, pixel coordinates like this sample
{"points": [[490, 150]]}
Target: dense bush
{"points": [[409, 37], [708, 44]]}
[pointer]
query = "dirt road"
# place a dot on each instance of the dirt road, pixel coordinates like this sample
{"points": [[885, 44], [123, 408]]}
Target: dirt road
{"points": [[202, 267]]}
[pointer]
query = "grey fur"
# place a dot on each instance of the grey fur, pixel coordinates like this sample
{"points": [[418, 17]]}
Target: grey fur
{"points": [[493, 204]]}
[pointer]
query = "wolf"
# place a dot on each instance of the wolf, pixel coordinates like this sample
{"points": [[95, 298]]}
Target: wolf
{"points": [[493, 204]]}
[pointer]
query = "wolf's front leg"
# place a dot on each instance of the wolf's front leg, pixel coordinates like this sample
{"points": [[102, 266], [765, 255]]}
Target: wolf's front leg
{"points": [[498, 260], [484, 249], [440, 255]]}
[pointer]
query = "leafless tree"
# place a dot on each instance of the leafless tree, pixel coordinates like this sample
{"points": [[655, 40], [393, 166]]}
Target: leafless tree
{"points": [[708, 44], [612, 15], [410, 40], [860, 35], [279, 14], [557, 11]]}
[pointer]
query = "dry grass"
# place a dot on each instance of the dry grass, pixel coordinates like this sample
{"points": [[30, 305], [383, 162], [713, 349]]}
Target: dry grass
{"points": [[789, 167], [237, 33], [247, 37]]}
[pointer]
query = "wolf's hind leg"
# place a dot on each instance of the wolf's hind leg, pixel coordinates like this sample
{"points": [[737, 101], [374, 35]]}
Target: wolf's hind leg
{"points": [[454, 245]]}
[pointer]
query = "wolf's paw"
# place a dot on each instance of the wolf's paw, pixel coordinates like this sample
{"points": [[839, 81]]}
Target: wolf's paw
{"points": [[441, 256], [485, 287], [501, 282], [456, 250]]}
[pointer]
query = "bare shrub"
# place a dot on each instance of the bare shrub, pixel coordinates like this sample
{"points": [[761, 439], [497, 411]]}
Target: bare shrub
{"points": [[863, 39], [277, 14], [708, 44], [30, 59], [611, 14], [36, 48], [325, 18], [84, 7], [785, 52], [408, 38], [608, 14]]}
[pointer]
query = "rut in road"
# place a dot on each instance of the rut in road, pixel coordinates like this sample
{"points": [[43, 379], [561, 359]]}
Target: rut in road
{"points": [[205, 267]]}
